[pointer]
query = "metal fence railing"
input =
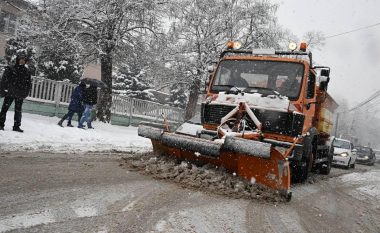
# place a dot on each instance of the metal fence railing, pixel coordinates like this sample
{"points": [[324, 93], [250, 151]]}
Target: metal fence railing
{"points": [[127, 106], [59, 93]]}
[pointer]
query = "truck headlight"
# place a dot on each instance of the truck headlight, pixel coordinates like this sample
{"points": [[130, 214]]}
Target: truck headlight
{"points": [[344, 154]]}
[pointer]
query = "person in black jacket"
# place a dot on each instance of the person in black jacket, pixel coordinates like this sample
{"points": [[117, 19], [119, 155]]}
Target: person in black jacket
{"points": [[90, 98], [75, 105], [15, 86]]}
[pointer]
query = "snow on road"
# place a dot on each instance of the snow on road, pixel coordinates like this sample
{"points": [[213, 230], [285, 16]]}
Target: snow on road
{"points": [[367, 185], [43, 134]]}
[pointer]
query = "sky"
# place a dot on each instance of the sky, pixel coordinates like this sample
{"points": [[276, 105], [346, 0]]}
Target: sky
{"points": [[354, 58]]}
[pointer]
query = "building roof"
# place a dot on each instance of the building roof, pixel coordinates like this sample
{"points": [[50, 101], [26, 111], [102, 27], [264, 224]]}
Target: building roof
{"points": [[20, 5]]}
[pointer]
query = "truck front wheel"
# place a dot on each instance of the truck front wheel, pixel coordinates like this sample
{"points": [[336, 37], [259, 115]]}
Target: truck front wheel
{"points": [[325, 167], [301, 172]]}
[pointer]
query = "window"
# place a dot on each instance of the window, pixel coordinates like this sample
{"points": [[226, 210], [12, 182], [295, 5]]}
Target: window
{"points": [[310, 86], [8, 22]]}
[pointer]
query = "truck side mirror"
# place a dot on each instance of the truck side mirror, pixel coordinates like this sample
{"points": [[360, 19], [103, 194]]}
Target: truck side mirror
{"points": [[207, 82], [211, 68], [323, 82], [325, 72]]}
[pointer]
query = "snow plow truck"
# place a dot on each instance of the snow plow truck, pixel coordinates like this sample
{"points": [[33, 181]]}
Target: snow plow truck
{"points": [[267, 117]]}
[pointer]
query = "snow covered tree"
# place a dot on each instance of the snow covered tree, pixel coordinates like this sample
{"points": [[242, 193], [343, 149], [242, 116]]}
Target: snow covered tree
{"points": [[178, 96], [130, 81], [58, 54], [59, 60], [200, 30], [106, 27], [17, 45], [314, 39]]}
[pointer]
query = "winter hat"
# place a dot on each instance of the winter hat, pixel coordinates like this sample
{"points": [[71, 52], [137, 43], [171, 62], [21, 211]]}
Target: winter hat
{"points": [[82, 84], [21, 54]]}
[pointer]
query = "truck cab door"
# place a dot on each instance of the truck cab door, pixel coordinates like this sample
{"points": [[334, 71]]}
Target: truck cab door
{"points": [[310, 100]]}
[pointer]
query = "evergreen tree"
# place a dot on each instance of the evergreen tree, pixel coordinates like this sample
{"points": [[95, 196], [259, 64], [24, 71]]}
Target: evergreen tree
{"points": [[59, 60], [178, 96], [130, 81]]}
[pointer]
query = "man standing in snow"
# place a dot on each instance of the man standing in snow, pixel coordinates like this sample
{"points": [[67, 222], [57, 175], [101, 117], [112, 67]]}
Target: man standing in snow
{"points": [[75, 105], [15, 86]]}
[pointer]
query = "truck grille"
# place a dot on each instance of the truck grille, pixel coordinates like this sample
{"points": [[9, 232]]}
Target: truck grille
{"points": [[283, 123]]}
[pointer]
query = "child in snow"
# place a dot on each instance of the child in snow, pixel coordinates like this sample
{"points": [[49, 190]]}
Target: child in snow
{"points": [[75, 105]]}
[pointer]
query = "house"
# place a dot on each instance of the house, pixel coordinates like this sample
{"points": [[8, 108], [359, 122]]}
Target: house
{"points": [[10, 12]]}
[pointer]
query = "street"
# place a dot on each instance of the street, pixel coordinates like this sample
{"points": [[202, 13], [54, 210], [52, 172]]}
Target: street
{"points": [[44, 192]]}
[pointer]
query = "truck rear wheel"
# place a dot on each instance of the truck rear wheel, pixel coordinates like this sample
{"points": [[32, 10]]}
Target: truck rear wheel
{"points": [[325, 167]]}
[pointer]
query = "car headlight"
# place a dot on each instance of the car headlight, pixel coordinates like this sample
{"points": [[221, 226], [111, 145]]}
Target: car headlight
{"points": [[366, 157], [344, 154]]}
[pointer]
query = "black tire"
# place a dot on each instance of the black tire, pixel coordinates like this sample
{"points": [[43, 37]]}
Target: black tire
{"points": [[325, 167], [301, 169], [352, 166], [300, 172]]}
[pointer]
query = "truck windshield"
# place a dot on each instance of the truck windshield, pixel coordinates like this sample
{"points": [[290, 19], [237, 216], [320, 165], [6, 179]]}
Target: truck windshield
{"points": [[255, 76]]}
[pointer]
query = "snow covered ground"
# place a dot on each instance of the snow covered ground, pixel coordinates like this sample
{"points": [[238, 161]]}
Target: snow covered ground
{"points": [[43, 134], [367, 185]]}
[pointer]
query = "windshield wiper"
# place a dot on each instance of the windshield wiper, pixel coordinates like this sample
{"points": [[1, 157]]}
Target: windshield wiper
{"points": [[266, 89], [233, 89]]}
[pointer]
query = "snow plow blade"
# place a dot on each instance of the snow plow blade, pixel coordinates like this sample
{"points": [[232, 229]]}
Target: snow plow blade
{"points": [[255, 161]]}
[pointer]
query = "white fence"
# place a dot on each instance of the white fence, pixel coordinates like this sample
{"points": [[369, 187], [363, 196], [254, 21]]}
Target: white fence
{"points": [[134, 107], [59, 93]]}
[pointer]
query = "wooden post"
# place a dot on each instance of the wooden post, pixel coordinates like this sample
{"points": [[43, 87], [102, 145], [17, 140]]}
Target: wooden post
{"points": [[57, 95], [130, 112]]}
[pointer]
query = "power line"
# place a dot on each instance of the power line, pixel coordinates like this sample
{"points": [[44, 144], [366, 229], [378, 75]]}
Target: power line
{"points": [[354, 30], [377, 94]]}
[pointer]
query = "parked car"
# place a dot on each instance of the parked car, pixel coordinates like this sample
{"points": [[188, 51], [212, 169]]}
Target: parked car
{"points": [[344, 153], [365, 155]]}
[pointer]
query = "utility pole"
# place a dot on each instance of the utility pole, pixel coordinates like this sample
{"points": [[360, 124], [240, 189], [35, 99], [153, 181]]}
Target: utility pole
{"points": [[336, 124]]}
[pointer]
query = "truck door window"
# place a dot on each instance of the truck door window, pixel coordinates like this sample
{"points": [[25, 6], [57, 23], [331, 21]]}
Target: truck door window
{"points": [[310, 86]]}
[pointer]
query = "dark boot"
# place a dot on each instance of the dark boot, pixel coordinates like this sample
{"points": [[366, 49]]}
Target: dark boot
{"points": [[17, 129], [70, 125], [60, 123], [1, 127]]}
